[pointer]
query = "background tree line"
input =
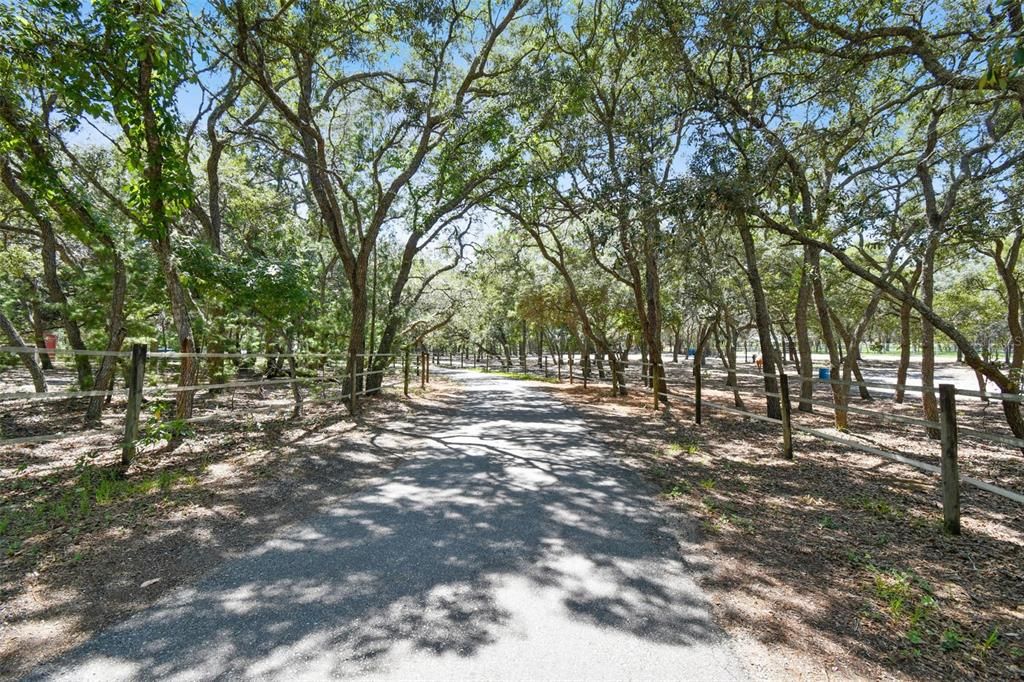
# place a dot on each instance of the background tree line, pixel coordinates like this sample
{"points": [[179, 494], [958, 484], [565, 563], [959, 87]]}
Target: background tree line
{"points": [[595, 176]]}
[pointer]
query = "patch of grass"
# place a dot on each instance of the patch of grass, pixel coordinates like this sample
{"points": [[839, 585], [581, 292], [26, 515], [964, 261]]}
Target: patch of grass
{"points": [[678, 489], [828, 522], [987, 644], [893, 589], [677, 448], [521, 376], [878, 507], [158, 430], [711, 526], [658, 473], [910, 605], [741, 521], [951, 639], [77, 503]]}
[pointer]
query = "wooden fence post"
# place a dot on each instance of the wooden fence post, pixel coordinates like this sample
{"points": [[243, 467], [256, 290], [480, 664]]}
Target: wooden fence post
{"points": [[405, 369], [696, 386], [950, 467], [571, 382], [136, 379], [786, 409], [426, 370], [423, 369], [355, 377], [654, 385]]}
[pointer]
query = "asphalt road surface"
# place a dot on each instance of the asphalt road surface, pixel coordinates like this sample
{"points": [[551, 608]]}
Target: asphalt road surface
{"points": [[510, 546]]}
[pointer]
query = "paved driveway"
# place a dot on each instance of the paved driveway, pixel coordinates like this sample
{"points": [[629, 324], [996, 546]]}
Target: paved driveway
{"points": [[510, 546]]}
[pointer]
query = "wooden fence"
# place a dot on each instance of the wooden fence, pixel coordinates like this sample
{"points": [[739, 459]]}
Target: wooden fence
{"points": [[950, 430], [143, 380]]}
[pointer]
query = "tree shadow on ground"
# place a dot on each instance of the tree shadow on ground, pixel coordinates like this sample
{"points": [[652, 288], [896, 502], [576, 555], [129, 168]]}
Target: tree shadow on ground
{"points": [[836, 554], [505, 495]]}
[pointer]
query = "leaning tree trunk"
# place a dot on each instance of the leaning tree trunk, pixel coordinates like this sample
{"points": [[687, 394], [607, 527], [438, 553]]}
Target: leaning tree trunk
{"points": [[54, 289], [803, 341], [357, 335], [839, 392], [296, 387], [763, 320], [27, 359], [865, 394]]}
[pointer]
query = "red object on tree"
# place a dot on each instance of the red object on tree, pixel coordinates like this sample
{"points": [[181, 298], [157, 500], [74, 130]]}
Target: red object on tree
{"points": [[51, 344]]}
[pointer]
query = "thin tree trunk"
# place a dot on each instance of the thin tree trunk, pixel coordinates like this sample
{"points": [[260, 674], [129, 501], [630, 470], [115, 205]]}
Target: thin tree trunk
{"points": [[27, 359], [523, 337], [39, 335], [931, 405], [771, 363], [54, 289], [116, 334], [839, 392], [803, 340], [904, 364]]}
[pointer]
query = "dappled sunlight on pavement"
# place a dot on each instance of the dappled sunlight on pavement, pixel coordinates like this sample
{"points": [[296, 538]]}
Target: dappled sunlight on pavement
{"points": [[511, 545]]}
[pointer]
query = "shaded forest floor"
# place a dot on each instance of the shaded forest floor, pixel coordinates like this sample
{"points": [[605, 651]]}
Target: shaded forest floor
{"points": [[836, 554], [83, 545]]}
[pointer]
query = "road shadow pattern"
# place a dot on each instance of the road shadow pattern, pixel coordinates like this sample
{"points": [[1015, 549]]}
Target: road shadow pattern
{"points": [[509, 481]]}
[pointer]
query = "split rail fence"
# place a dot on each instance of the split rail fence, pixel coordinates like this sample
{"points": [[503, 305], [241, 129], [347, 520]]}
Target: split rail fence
{"points": [[146, 378], [951, 432]]}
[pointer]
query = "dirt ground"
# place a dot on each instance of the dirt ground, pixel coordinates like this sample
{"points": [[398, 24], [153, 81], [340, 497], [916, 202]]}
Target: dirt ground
{"points": [[85, 545], [834, 563], [837, 556]]}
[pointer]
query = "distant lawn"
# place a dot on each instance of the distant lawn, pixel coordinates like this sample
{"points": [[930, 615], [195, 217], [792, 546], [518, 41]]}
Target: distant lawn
{"points": [[522, 376]]}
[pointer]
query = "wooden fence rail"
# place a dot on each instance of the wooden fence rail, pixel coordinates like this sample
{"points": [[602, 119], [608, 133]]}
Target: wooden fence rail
{"points": [[947, 425], [136, 388]]}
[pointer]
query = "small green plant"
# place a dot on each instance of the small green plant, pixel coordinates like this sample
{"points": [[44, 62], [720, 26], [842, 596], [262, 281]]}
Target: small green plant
{"points": [[707, 483], [741, 522], [165, 431], [893, 588], [105, 491], [951, 640], [689, 447], [878, 507], [828, 522], [677, 490], [711, 526], [989, 642]]}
